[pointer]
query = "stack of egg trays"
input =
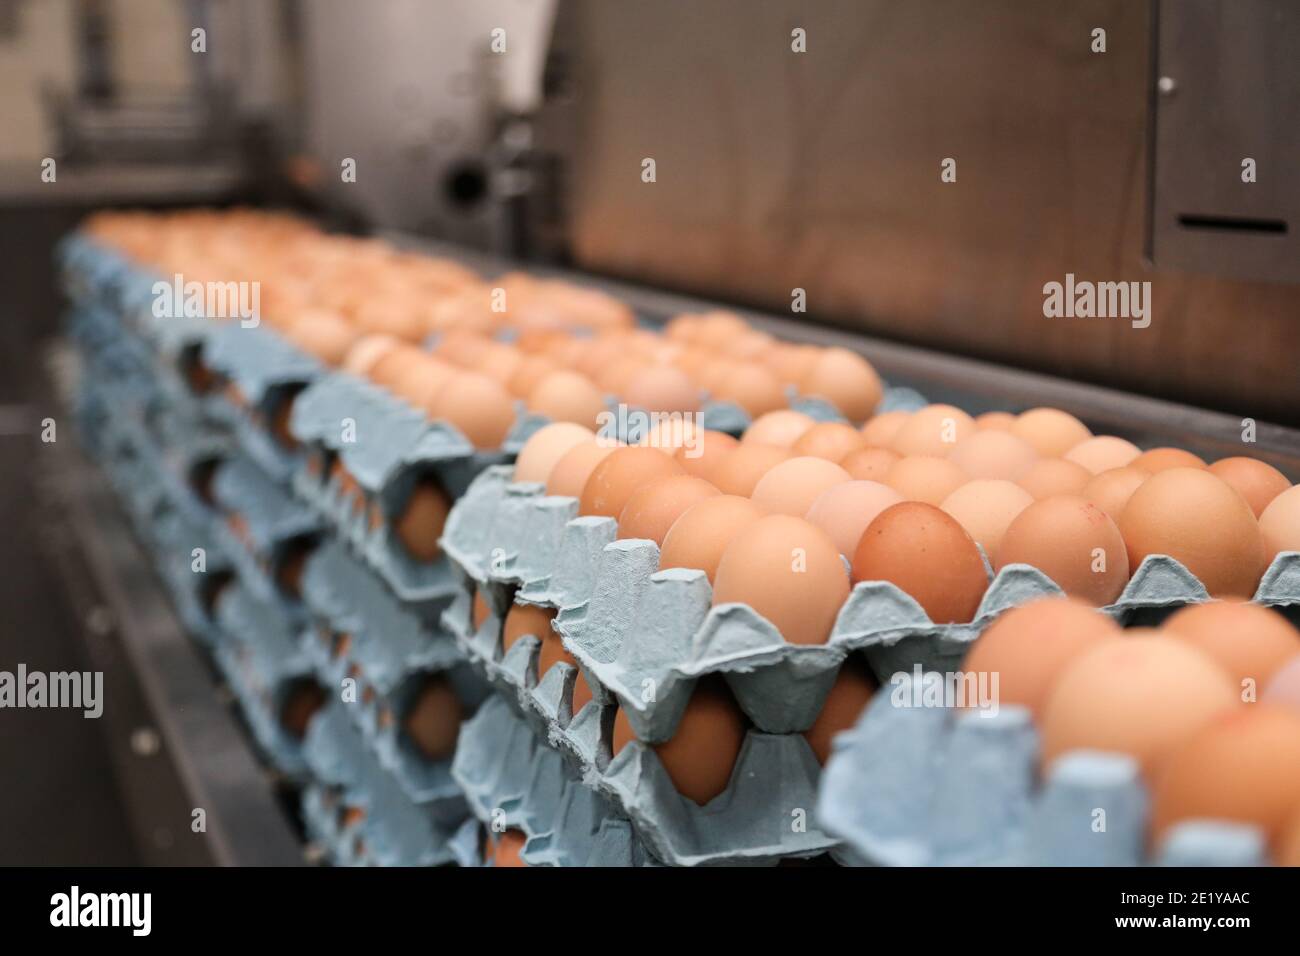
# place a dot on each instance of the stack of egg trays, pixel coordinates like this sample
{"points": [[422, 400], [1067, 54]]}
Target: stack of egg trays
{"points": [[913, 784], [389, 649]]}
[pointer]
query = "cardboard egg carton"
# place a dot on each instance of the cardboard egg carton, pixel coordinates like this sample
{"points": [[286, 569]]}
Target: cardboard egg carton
{"points": [[928, 786]]}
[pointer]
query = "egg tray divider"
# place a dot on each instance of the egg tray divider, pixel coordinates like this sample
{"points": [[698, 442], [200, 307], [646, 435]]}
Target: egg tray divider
{"points": [[924, 786], [392, 648], [172, 549], [512, 779]]}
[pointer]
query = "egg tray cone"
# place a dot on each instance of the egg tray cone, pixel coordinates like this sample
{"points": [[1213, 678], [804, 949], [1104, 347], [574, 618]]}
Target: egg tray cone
{"points": [[913, 784]]}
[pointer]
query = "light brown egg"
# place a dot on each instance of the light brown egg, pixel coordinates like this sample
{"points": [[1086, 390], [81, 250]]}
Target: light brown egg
{"points": [[614, 480], [1050, 431], [567, 397], [1284, 689], [844, 510], [1055, 476], [1288, 842], [702, 752], [420, 524], [994, 454], [1073, 542], [934, 430], [388, 366], [927, 555], [480, 611], [701, 458], [1029, 646], [1279, 524], [718, 327], [571, 472], [654, 507], [528, 373], [752, 387], [508, 850], [850, 694], [662, 388], [699, 537], [880, 431], [1142, 695], [1103, 453], [829, 440], [781, 428], [524, 619], [552, 652], [792, 486], [986, 508], [432, 722], [1256, 481], [478, 406], [1111, 490], [499, 362], [326, 335], [846, 380], [421, 382], [1242, 766], [741, 470], [1000, 421], [1189, 514], [788, 570], [673, 433], [615, 378], [1160, 459], [546, 447], [869, 464], [791, 363], [1250, 642], [925, 478]]}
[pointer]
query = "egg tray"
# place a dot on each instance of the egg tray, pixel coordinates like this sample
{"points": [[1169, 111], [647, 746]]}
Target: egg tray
{"points": [[914, 785], [390, 649], [174, 542], [514, 781]]}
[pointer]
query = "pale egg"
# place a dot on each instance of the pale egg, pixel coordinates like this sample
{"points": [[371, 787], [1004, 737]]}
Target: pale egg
{"points": [[844, 510], [792, 486], [986, 508], [1259, 483]]}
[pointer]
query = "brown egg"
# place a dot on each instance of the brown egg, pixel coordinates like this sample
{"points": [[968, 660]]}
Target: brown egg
{"points": [[1243, 766], [846, 380], [1001, 421], [792, 486], [552, 652], [934, 430], [788, 570], [741, 470], [986, 508], [421, 382], [1050, 431], [1288, 842], [508, 850], [279, 424], [1103, 453], [499, 362], [615, 479], [869, 464], [850, 694], [662, 388], [844, 510], [1111, 490], [1284, 689], [481, 611], [1055, 476], [1029, 646], [546, 447], [654, 507], [528, 373], [615, 378], [326, 335], [420, 524], [791, 363], [701, 459], [880, 431], [925, 478], [433, 721], [1189, 514], [1257, 482], [829, 440], [303, 699], [927, 555], [524, 619], [1141, 695], [994, 454], [1159, 459], [1074, 543], [673, 433], [288, 575], [703, 750], [752, 387], [699, 537], [567, 397], [781, 428], [1279, 525], [1250, 642], [571, 472], [479, 407]]}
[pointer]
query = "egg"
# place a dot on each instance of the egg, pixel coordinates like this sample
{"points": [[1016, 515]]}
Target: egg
{"points": [[993, 454], [654, 507], [288, 573], [701, 457], [480, 611], [508, 850], [673, 433], [432, 721], [1055, 476], [1159, 459], [301, 702], [1029, 646], [846, 380], [698, 538], [573, 469], [791, 363], [1250, 642], [1001, 421], [793, 485], [1242, 766], [849, 696], [1050, 431], [480, 408], [1259, 483], [925, 478], [752, 387], [614, 480], [844, 510], [1073, 542], [789, 571], [829, 440], [1103, 453], [325, 335], [880, 431], [704, 747], [553, 652], [419, 526], [528, 373], [567, 397], [933, 430], [869, 464], [524, 619], [1110, 490], [662, 388], [499, 362], [1284, 689], [1142, 695], [985, 508], [1288, 843], [546, 447], [742, 468], [1279, 524], [928, 556], [781, 428], [1190, 515]]}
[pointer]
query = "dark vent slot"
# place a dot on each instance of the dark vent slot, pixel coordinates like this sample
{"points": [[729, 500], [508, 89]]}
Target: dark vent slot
{"points": [[1233, 224]]}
